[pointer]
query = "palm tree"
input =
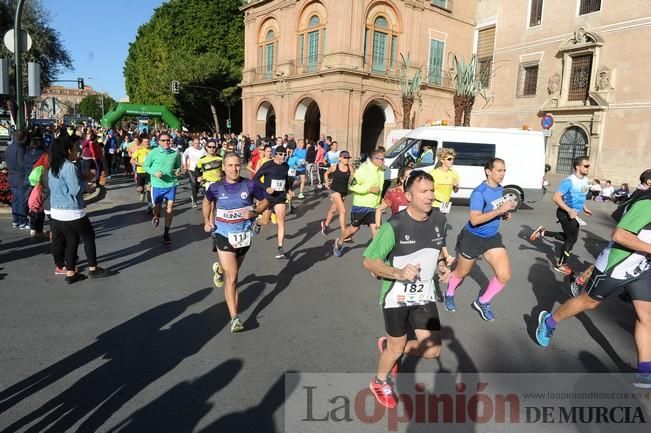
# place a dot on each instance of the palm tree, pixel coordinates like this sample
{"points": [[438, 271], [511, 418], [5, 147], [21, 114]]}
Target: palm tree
{"points": [[409, 90], [467, 81]]}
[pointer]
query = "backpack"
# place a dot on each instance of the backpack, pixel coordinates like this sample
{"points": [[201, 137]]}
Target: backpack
{"points": [[625, 206]]}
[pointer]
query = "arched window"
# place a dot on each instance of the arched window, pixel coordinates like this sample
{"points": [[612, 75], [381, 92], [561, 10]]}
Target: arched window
{"points": [[311, 44], [382, 42], [267, 54]]}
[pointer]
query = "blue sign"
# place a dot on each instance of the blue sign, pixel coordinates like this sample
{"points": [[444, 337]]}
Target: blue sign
{"points": [[547, 121]]}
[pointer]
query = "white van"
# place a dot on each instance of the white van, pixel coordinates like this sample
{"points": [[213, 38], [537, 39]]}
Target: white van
{"points": [[394, 136], [523, 152]]}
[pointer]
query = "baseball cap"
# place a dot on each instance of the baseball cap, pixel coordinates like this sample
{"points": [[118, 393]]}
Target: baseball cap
{"points": [[344, 154]]}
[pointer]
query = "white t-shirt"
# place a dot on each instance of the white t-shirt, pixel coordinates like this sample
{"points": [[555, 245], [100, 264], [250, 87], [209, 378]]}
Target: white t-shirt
{"points": [[608, 191], [191, 157]]}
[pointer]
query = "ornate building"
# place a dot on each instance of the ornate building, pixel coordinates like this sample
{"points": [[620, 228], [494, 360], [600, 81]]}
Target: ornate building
{"points": [[585, 63], [330, 66], [57, 101]]}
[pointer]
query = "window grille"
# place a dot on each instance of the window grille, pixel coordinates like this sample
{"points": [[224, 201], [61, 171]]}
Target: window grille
{"points": [[580, 78]]}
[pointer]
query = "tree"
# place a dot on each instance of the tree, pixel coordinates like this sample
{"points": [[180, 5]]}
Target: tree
{"points": [[467, 81], [91, 105], [409, 91], [199, 43], [47, 48]]}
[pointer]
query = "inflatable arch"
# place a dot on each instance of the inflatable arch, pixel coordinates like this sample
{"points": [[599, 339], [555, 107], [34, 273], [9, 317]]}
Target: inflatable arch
{"points": [[124, 109]]}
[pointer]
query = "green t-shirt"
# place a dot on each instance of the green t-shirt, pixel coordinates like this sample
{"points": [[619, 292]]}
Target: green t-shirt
{"points": [[165, 161], [623, 263]]}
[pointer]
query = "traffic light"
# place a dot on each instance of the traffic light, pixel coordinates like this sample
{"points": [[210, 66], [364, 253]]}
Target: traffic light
{"points": [[80, 83], [176, 87], [228, 123]]}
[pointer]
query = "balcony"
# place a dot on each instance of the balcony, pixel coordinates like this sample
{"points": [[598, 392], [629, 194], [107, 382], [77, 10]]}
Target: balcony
{"points": [[305, 65]]}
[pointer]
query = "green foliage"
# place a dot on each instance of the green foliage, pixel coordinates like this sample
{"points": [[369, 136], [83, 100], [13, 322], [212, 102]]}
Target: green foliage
{"points": [[197, 42], [409, 87], [91, 105], [47, 48], [466, 77]]}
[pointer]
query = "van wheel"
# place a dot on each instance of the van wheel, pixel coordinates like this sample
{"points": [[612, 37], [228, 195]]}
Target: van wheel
{"points": [[515, 195]]}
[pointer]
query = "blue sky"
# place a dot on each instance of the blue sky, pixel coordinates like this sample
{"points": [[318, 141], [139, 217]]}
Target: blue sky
{"points": [[97, 34]]}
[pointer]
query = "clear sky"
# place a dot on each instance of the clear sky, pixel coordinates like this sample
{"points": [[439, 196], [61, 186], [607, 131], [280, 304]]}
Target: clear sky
{"points": [[97, 34]]}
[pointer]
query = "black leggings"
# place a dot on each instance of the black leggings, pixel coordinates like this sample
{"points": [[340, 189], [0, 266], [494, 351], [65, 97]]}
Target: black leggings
{"points": [[72, 231], [568, 236], [58, 244], [194, 184]]}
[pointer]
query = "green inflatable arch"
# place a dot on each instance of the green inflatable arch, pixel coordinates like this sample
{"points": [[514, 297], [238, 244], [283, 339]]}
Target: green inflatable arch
{"points": [[124, 109]]}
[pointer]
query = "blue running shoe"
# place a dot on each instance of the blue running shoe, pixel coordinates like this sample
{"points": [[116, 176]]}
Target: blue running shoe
{"points": [[544, 333], [337, 249], [642, 380], [484, 310], [448, 303]]}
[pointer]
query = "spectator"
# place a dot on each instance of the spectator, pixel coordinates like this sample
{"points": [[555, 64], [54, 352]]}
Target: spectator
{"points": [[621, 194], [645, 180], [607, 191], [15, 155], [595, 190]]}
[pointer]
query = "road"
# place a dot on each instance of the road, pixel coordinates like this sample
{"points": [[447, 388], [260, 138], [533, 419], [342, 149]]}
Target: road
{"points": [[148, 350]]}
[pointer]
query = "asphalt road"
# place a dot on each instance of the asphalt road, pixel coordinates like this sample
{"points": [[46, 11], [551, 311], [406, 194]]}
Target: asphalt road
{"points": [[148, 350]]}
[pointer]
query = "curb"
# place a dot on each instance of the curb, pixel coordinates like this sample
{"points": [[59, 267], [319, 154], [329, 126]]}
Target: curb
{"points": [[5, 209]]}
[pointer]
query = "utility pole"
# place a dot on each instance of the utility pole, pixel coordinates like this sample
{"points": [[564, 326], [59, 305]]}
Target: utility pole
{"points": [[20, 113]]}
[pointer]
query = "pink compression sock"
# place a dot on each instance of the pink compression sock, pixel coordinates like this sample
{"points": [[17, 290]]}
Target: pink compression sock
{"points": [[494, 287], [453, 283]]}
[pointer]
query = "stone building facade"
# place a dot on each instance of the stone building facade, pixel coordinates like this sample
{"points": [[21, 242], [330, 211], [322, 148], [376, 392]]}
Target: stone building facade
{"points": [[584, 62], [329, 66], [57, 101]]}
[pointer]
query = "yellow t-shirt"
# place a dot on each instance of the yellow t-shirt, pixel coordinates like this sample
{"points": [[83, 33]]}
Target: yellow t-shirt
{"points": [[443, 182], [139, 155]]}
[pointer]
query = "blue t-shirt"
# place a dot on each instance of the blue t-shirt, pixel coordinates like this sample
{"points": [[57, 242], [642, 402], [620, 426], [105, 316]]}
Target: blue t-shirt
{"points": [[233, 202], [574, 191], [298, 159], [484, 198]]}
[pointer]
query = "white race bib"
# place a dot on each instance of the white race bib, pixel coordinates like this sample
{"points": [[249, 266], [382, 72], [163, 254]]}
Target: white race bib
{"points": [[445, 207], [278, 184], [418, 292], [291, 172], [240, 240], [233, 215]]}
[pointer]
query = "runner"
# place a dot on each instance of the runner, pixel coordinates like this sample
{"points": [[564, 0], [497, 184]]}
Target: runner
{"points": [[337, 179], [274, 179], [406, 255], [570, 198], [480, 236], [138, 159], [366, 187], [163, 165], [446, 180], [625, 264], [190, 158], [253, 167], [209, 166], [298, 163], [227, 213]]}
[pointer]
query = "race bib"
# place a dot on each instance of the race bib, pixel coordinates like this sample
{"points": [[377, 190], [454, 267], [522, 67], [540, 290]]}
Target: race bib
{"points": [[580, 221], [240, 240], [301, 162], [291, 172], [418, 292], [445, 207], [233, 215], [278, 184], [112, 151], [401, 208]]}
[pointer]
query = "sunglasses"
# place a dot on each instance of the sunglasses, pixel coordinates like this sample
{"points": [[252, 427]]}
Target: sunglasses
{"points": [[162, 141], [211, 147], [280, 154], [586, 165], [379, 159], [449, 159], [346, 157]]}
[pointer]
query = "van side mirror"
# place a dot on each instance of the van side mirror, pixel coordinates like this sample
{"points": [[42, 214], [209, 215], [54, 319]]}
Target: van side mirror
{"points": [[547, 168]]}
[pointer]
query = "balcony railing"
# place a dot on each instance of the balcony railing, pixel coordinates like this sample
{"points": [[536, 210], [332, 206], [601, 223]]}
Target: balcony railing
{"points": [[265, 72], [305, 65]]}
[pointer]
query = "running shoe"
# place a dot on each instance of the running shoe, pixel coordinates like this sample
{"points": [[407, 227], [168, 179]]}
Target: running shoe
{"points": [[99, 273], [76, 277], [280, 254], [484, 310], [274, 218], [563, 269], [642, 380], [63, 270], [448, 303], [15, 225], [218, 278], [236, 325], [301, 196], [337, 249], [537, 234], [544, 333], [324, 228], [166, 239], [256, 226], [382, 346], [384, 393], [24, 227], [142, 196], [155, 221]]}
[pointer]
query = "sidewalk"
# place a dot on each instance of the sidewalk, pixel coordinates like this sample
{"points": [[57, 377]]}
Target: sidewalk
{"points": [[93, 197]]}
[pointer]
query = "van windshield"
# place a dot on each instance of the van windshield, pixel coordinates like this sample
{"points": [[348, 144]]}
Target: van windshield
{"points": [[397, 147]]}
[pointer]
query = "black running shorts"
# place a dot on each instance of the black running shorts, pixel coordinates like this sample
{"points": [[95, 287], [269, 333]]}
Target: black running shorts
{"points": [[142, 179], [221, 243], [358, 219], [397, 321], [472, 246], [600, 286]]}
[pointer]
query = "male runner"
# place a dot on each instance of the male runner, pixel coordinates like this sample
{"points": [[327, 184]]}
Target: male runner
{"points": [[366, 187], [406, 255], [138, 159], [570, 198], [625, 264], [163, 165], [209, 166], [277, 186], [228, 213]]}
